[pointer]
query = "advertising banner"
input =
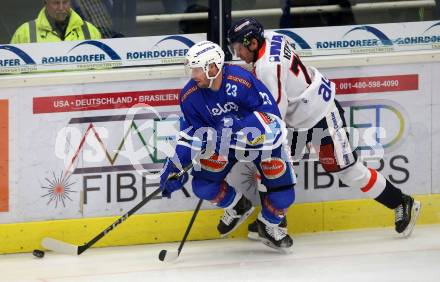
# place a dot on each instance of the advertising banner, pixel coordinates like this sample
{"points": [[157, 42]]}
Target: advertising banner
{"points": [[364, 39], [91, 150], [88, 150], [96, 54], [162, 50]]}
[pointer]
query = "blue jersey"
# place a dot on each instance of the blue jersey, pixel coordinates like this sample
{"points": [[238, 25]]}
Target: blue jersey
{"points": [[241, 94]]}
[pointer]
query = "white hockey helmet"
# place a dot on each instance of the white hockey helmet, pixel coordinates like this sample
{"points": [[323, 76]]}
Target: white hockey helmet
{"points": [[202, 55]]}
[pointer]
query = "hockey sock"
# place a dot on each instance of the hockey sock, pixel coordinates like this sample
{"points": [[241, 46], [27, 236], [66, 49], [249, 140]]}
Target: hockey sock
{"points": [[391, 197]]}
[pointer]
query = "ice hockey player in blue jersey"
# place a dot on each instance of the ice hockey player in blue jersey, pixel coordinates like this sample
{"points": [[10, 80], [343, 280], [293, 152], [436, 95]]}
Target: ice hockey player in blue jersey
{"points": [[231, 116]]}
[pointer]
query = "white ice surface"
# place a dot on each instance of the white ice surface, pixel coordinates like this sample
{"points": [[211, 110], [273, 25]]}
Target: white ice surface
{"points": [[367, 255]]}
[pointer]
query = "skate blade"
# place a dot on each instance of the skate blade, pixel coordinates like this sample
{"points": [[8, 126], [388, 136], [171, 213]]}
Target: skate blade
{"points": [[415, 211], [254, 236], [242, 219], [285, 251]]}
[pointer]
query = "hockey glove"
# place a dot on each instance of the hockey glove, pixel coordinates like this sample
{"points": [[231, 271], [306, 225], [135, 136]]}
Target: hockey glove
{"points": [[168, 183]]}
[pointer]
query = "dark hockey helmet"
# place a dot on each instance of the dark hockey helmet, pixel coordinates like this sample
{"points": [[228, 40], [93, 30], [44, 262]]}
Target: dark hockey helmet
{"points": [[244, 30]]}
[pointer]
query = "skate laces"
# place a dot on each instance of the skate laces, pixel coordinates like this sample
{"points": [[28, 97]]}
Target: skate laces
{"points": [[276, 232], [229, 215], [399, 213]]}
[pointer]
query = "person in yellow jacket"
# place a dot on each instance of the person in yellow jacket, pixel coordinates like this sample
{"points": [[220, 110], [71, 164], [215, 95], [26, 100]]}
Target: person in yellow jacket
{"points": [[56, 22]]}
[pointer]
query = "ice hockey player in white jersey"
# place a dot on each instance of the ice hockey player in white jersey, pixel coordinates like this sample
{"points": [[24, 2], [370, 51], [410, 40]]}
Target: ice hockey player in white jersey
{"points": [[307, 101]]}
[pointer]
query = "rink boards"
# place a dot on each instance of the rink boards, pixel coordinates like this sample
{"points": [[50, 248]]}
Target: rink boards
{"points": [[74, 157], [170, 227]]}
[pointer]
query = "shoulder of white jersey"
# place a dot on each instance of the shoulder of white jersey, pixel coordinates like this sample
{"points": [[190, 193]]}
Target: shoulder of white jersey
{"points": [[271, 53], [189, 89], [270, 34], [266, 63]]}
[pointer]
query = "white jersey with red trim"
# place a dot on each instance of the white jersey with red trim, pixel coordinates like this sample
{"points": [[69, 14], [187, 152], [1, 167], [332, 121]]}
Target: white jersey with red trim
{"points": [[303, 94]]}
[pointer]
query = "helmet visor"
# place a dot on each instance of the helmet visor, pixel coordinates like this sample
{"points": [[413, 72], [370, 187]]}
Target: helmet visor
{"points": [[195, 72], [235, 49]]}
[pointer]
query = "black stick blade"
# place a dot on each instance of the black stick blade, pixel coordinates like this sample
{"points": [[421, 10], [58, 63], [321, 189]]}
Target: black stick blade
{"points": [[162, 255]]}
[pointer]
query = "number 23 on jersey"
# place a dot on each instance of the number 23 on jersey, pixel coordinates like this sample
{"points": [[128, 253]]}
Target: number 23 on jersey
{"points": [[231, 89]]}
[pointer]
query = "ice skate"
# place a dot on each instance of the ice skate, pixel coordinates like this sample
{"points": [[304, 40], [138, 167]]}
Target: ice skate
{"points": [[253, 229], [234, 216], [406, 215], [274, 236]]}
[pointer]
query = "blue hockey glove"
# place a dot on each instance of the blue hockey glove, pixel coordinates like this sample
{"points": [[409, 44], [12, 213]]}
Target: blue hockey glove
{"points": [[168, 183]]}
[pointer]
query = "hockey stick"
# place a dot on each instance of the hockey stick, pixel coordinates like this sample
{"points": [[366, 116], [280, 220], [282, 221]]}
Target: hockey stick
{"points": [[70, 249], [170, 256]]}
